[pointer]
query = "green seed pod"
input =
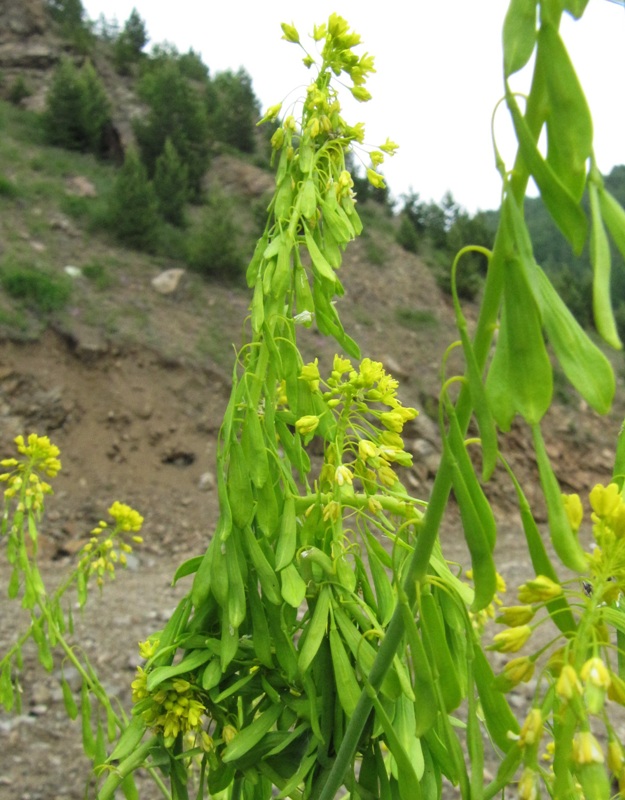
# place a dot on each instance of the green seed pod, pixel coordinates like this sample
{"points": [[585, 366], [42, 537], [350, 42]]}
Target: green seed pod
{"points": [[315, 631], [519, 35]]}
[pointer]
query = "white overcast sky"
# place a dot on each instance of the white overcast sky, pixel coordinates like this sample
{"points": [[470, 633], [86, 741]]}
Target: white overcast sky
{"points": [[438, 74]]}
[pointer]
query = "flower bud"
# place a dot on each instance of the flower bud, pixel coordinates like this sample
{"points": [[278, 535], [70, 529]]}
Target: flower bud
{"points": [[538, 590], [513, 616], [290, 33], [307, 424], [527, 788], [586, 749], [512, 639], [568, 685], [596, 677], [532, 728]]}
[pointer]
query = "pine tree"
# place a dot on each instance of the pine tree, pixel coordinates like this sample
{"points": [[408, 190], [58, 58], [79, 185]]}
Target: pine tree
{"points": [[133, 208], [77, 108], [171, 182]]}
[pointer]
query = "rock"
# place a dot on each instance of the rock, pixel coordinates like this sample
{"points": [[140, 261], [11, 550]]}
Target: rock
{"points": [[23, 19], [167, 282], [58, 222], [79, 186], [206, 482]]}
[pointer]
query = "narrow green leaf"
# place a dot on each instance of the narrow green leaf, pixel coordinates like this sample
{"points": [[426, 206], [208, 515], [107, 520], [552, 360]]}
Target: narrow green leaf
{"points": [[315, 630], [252, 734], [564, 539], [190, 662]]}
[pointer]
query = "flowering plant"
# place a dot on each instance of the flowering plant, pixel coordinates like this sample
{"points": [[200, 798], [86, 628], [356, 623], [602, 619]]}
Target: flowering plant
{"points": [[326, 644]]}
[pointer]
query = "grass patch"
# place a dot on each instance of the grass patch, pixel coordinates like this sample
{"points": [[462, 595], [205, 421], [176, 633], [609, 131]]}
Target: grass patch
{"points": [[415, 319], [8, 188], [38, 290], [98, 275]]}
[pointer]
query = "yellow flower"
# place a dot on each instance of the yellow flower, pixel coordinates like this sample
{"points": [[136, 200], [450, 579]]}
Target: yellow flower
{"points": [[596, 676], [518, 670], [343, 475], [310, 373], [228, 733], [586, 749], [307, 424], [574, 510], [604, 499], [290, 33], [513, 616], [616, 689], [367, 449], [532, 728], [126, 518], [568, 685], [595, 672], [616, 759], [375, 179], [389, 147], [527, 788], [512, 639], [538, 590]]}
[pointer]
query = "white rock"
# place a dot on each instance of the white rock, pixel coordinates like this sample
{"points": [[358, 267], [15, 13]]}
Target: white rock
{"points": [[167, 282]]}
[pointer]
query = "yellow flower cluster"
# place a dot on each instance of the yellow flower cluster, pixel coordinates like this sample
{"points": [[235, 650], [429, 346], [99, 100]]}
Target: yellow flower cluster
{"points": [[322, 110], [371, 417], [38, 456], [107, 546], [172, 709]]}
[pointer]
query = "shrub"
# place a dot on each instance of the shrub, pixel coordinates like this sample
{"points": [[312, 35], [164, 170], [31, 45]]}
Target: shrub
{"points": [[407, 236], [77, 108], [171, 184], [7, 187], [133, 209], [213, 250], [39, 290], [178, 113], [19, 91]]}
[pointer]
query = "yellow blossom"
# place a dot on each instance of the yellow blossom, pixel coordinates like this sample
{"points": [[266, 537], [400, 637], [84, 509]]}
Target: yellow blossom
{"points": [[367, 449], [307, 424], [228, 733], [513, 616], [375, 179], [616, 759], [604, 499], [574, 510], [538, 590], [527, 788], [518, 670], [596, 677], [616, 689], [512, 639], [310, 373], [586, 749], [532, 728], [568, 685], [343, 475], [595, 672], [290, 33]]}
